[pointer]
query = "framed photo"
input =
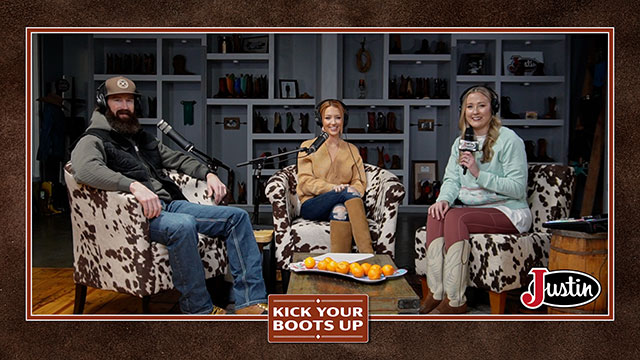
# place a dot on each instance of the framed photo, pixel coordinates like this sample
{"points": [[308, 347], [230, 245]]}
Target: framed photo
{"points": [[255, 44], [473, 64], [289, 89], [231, 123], [523, 62], [422, 171], [425, 124]]}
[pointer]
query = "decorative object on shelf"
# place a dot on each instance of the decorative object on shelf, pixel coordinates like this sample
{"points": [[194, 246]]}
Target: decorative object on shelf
{"points": [[224, 44], [441, 48], [130, 63], [371, 122], [363, 66], [542, 151], [409, 89], [260, 123], [422, 170], [404, 83], [244, 85], [552, 114], [268, 164], [424, 48], [381, 122], [395, 162], [290, 129], [473, 64], [523, 63], [256, 44], [242, 193], [425, 189], [380, 162], [364, 151], [396, 44], [422, 88], [237, 86], [391, 123], [228, 198], [440, 89], [306, 95], [231, 123], [425, 124], [187, 107], [282, 160], [230, 84], [304, 123], [530, 115], [222, 88], [393, 88], [277, 123], [505, 108], [180, 65], [530, 149], [288, 89], [362, 89]]}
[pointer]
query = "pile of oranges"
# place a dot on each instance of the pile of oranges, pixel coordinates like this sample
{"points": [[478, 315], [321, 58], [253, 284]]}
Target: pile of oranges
{"points": [[373, 272]]}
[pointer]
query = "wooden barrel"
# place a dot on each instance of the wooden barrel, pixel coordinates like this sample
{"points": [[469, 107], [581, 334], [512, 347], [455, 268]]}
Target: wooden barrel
{"points": [[572, 250]]}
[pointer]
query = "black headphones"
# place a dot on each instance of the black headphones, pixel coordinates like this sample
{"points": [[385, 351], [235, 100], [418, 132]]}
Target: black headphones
{"points": [[495, 101], [101, 98], [318, 116]]}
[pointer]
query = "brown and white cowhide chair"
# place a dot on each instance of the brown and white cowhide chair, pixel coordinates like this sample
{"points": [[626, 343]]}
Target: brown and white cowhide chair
{"points": [[501, 262], [383, 195], [111, 246]]}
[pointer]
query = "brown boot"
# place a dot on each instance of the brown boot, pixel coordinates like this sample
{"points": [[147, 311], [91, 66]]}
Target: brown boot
{"points": [[359, 225], [428, 303], [340, 236], [445, 308]]}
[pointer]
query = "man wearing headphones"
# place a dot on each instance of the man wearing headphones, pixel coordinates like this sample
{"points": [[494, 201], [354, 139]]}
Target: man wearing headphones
{"points": [[491, 183], [115, 154], [331, 182]]}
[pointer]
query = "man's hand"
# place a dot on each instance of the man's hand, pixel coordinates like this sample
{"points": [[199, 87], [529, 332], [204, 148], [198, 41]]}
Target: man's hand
{"points": [[216, 188], [150, 202]]}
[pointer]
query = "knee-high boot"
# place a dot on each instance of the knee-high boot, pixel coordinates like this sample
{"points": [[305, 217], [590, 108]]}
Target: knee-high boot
{"points": [[340, 236], [455, 278], [435, 259], [359, 224]]}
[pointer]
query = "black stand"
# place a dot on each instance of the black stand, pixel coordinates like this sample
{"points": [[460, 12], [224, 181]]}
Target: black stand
{"points": [[258, 165], [212, 163]]}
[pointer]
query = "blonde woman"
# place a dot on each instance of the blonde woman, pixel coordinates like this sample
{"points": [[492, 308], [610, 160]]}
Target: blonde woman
{"points": [[493, 192]]}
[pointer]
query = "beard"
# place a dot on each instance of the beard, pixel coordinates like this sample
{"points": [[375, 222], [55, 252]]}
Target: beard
{"points": [[123, 121]]}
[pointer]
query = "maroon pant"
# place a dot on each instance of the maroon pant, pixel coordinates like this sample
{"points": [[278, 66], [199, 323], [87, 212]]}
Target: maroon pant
{"points": [[458, 223]]}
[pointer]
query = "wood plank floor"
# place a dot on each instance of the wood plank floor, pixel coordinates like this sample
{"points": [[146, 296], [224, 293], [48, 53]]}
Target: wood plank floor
{"points": [[53, 292]]}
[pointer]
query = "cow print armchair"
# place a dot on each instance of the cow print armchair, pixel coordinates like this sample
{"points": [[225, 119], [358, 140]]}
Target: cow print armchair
{"points": [[111, 246], [501, 262], [383, 195]]}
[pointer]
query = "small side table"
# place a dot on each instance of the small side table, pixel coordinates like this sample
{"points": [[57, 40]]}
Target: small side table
{"points": [[264, 239]]}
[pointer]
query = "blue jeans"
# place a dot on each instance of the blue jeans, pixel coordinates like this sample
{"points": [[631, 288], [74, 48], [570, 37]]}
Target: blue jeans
{"points": [[320, 207], [177, 228]]}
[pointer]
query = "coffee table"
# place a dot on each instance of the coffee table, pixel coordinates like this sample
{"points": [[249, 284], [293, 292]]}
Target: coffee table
{"points": [[392, 296]]}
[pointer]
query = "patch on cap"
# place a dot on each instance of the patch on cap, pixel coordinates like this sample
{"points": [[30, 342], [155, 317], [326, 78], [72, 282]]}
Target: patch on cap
{"points": [[122, 83]]}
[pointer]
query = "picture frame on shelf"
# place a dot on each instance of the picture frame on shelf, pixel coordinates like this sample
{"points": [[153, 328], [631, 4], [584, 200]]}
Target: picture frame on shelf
{"points": [[289, 89], [473, 64], [256, 44], [421, 171], [231, 123], [518, 63], [426, 124]]}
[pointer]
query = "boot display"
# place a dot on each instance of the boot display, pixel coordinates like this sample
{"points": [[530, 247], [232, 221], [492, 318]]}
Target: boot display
{"points": [[380, 162], [435, 260], [409, 92], [530, 149], [393, 88], [391, 123], [304, 123], [402, 92], [237, 86], [395, 162], [441, 48], [505, 106], [340, 233], [363, 153], [424, 49], [230, 84], [290, 129], [242, 193], [371, 122], [222, 88], [542, 151], [277, 123], [455, 279], [552, 101], [268, 164], [282, 160], [381, 121], [228, 198], [359, 225]]}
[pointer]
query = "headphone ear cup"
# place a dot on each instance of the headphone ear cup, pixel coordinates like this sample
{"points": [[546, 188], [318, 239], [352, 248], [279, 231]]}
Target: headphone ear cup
{"points": [[317, 117]]}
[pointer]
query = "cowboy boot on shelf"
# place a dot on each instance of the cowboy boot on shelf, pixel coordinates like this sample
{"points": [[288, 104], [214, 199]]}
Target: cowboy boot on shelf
{"points": [[363, 153], [304, 123], [237, 86], [393, 88], [222, 88], [265, 124], [277, 123], [402, 92], [228, 198], [381, 121], [290, 129], [380, 162], [230, 81], [552, 108], [424, 49], [282, 160], [505, 105], [242, 193], [249, 92], [441, 48], [257, 123], [391, 123], [419, 88], [409, 93], [395, 162], [268, 164], [371, 122], [264, 87], [542, 151], [426, 88], [530, 149]]}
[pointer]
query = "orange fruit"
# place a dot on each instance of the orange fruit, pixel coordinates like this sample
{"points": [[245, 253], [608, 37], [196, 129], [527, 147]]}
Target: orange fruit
{"points": [[352, 265], [328, 259], [309, 262], [357, 271], [332, 266], [343, 267], [377, 267], [322, 265], [366, 267], [374, 273], [388, 270]]}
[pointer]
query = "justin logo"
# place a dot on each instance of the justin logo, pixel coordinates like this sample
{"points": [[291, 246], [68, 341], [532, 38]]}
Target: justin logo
{"points": [[122, 83], [560, 288]]}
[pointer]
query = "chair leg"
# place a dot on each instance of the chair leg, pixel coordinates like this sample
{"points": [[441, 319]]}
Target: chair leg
{"points": [[145, 304], [425, 289], [81, 297], [498, 302]]}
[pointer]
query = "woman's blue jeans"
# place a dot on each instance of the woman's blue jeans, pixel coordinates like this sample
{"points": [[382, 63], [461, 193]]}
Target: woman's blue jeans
{"points": [[177, 228], [320, 207]]}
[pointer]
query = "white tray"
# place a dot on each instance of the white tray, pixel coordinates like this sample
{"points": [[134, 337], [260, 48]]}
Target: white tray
{"points": [[299, 267]]}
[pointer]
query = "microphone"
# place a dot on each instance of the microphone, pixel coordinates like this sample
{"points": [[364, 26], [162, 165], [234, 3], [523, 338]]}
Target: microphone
{"points": [[175, 136], [468, 144], [319, 141]]}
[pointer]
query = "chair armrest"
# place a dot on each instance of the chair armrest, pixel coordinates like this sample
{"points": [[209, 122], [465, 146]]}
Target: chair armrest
{"points": [[195, 190], [389, 196], [384, 195], [281, 192]]}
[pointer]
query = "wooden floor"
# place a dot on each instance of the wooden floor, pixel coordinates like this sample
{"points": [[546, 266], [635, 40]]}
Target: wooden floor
{"points": [[53, 292]]}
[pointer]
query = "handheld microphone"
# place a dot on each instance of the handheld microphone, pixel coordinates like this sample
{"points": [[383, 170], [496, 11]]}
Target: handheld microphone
{"points": [[319, 141], [468, 144], [174, 135]]}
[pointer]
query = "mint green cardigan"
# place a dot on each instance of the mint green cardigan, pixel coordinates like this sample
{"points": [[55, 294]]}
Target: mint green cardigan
{"points": [[501, 182]]}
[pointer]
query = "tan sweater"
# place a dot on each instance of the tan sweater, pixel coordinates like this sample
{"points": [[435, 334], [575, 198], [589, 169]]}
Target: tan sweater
{"points": [[317, 174]]}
